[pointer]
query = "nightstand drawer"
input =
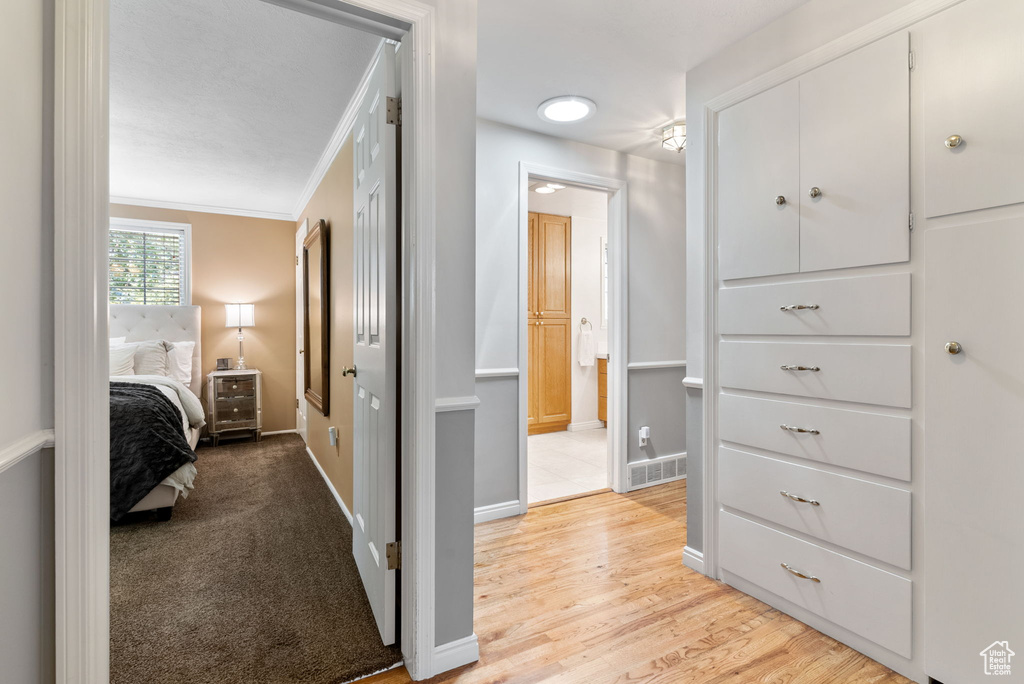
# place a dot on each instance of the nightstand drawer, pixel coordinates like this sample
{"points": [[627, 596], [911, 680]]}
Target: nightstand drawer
{"points": [[235, 387], [232, 410]]}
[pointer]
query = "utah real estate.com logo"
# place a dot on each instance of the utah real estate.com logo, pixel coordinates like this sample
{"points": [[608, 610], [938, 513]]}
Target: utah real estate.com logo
{"points": [[997, 658]]}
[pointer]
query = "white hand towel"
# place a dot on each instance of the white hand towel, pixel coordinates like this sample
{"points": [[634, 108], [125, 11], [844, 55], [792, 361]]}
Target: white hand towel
{"points": [[586, 348]]}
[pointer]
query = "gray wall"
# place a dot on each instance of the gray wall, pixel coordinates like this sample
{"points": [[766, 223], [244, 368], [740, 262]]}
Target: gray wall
{"points": [[26, 376], [656, 242], [455, 309], [797, 33]]}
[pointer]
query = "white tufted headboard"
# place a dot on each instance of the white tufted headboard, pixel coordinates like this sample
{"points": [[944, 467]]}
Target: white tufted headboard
{"points": [[136, 323]]}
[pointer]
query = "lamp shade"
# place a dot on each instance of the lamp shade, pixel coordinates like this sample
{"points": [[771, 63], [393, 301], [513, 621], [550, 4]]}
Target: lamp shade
{"points": [[240, 315]]}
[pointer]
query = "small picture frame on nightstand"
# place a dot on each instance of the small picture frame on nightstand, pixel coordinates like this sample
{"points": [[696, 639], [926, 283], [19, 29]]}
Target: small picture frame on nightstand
{"points": [[224, 364]]}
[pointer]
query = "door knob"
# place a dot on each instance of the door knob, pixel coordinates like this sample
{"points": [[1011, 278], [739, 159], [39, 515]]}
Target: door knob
{"points": [[814, 192], [954, 347], [345, 370], [780, 200], [954, 141]]}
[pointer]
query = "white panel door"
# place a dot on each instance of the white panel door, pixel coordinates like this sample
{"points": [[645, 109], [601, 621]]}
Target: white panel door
{"points": [[855, 148], [375, 354], [974, 465], [970, 63], [300, 341], [758, 182]]}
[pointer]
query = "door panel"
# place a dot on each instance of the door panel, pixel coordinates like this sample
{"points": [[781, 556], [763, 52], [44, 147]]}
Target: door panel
{"points": [[855, 147], [300, 331], [973, 470], [971, 68], [533, 401], [532, 299], [554, 260], [758, 161], [555, 379], [375, 353]]}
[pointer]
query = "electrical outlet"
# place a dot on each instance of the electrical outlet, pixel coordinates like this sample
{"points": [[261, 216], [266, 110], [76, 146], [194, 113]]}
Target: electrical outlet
{"points": [[645, 436]]}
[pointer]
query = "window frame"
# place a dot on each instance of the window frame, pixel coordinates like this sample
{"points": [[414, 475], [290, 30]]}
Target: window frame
{"points": [[148, 226]]}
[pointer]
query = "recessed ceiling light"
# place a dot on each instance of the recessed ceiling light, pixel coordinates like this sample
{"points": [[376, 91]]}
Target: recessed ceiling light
{"points": [[566, 109], [556, 186], [544, 190]]}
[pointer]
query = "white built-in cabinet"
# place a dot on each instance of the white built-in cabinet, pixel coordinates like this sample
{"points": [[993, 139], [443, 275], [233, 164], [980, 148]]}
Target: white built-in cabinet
{"points": [[814, 174], [869, 417]]}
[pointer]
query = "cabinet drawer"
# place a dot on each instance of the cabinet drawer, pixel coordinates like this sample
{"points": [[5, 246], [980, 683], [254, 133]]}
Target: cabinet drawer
{"points": [[872, 305], [865, 373], [870, 442], [236, 387], [859, 597], [233, 410], [862, 516]]}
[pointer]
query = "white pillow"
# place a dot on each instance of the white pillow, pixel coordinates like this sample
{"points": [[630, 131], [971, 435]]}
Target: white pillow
{"points": [[116, 340], [180, 360], [151, 358], [122, 359]]}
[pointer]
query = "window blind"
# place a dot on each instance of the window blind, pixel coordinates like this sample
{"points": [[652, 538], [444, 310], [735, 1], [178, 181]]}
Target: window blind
{"points": [[147, 267]]}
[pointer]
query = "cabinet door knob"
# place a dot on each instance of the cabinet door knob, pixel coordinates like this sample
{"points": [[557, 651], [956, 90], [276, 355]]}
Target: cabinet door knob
{"points": [[234, 387], [954, 141], [780, 200], [814, 192], [345, 370], [234, 410], [954, 347]]}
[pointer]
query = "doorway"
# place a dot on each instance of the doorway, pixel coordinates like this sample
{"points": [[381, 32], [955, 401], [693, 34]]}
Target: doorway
{"points": [[567, 336], [574, 424]]}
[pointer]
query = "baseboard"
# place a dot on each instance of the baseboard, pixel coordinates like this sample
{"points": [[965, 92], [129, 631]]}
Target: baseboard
{"points": [[693, 559], [280, 432], [589, 425], [505, 509], [327, 480], [456, 654]]}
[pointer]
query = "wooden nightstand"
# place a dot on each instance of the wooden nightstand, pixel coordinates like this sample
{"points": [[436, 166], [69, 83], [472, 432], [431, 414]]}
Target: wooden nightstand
{"points": [[235, 402]]}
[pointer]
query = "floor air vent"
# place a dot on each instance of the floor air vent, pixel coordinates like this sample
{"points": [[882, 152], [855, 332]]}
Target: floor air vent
{"points": [[638, 475], [646, 473]]}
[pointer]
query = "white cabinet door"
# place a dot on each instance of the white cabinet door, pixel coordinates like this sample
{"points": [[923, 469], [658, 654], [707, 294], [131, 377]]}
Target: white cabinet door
{"points": [[970, 65], [855, 148], [973, 466], [758, 158]]}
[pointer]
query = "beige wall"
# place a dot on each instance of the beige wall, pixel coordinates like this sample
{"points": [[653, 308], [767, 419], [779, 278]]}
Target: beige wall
{"points": [[240, 259], [332, 201]]}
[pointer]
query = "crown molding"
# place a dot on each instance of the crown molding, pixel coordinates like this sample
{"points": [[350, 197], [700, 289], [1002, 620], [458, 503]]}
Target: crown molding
{"points": [[341, 133], [202, 208]]}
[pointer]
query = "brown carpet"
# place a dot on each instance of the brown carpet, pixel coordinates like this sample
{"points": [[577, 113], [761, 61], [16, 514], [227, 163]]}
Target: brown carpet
{"points": [[251, 581]]}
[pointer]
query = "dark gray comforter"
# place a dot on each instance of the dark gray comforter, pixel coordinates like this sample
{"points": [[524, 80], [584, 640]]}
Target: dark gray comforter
{"points": [[146, 443]]}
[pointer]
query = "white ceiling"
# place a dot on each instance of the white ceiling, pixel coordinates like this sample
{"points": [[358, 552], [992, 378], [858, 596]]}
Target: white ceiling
{"points": [[225, 103], [629, 56]]}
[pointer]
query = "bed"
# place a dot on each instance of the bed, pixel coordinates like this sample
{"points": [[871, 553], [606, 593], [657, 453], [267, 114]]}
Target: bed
{"points": [[171, 324]]}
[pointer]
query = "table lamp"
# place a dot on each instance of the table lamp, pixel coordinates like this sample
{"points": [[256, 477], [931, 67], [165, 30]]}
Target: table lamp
{"points": [[240, 316]]}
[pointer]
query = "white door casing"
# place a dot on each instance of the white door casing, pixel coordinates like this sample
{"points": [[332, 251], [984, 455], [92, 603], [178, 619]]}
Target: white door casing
{"points": [[973, 473], [300, 341], [375, 357]]}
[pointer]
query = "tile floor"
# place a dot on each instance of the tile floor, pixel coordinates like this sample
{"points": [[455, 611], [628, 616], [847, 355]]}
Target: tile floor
{"points": [[566, 463]]}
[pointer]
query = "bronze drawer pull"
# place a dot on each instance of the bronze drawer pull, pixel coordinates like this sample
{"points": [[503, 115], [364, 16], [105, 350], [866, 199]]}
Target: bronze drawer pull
{"points": [[794, 428], [800, 368], [799, 574], [799, 499]]}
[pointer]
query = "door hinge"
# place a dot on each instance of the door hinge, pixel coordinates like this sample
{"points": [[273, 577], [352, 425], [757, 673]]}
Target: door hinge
{"points": [[296, 259], [910, 61], [911, 222], [296, 403], [393, 552], [395, 111]]}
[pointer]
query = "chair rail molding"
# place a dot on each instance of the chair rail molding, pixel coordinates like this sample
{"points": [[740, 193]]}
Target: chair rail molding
{"points": [[19, 450]]}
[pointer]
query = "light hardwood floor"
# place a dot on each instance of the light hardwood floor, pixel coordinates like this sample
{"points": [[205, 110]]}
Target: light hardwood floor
{"points": [[593, 590]]}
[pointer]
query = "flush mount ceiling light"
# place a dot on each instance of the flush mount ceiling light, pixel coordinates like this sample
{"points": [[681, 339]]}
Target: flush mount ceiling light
{"points": [[566, 109], [674, 137], [556, 186], [543, 190]]}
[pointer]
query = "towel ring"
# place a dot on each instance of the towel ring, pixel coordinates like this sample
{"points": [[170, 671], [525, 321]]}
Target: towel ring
{"points": [[584, 321]]}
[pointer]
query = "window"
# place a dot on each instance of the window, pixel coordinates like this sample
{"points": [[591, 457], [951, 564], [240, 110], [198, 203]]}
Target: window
{"points": [[149, 262]]}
